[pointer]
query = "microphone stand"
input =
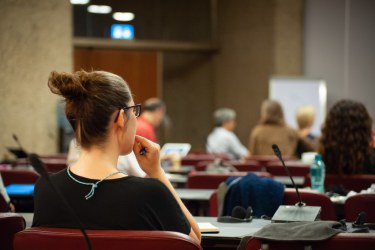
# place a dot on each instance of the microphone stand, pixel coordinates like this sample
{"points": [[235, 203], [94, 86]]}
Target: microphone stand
{"points": [[278, 154]]}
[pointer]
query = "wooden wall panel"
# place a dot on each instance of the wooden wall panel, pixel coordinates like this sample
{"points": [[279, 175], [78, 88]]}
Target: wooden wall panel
{"points": [[138, 68]]}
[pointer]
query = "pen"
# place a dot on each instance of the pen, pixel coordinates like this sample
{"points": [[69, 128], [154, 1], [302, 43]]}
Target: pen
{"points": [[143, 151]]}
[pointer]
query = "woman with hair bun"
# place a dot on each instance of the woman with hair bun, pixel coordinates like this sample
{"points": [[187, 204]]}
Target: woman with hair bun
{"points": [[101, 110], [346, 139]]}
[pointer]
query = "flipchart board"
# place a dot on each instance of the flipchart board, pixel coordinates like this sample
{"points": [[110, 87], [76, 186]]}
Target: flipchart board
{"points": [[293, 92]]}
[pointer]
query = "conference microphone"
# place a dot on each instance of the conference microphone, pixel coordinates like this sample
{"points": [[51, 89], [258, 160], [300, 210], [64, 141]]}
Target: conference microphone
{"points": [[299, 212], [41, 169], [277, 152]]}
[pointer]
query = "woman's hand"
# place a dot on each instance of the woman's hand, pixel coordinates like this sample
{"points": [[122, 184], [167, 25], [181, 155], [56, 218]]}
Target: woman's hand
{"points": [[150, 161]]}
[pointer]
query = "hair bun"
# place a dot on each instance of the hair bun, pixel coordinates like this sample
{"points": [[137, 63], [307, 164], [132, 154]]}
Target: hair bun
{"points": [[70, 86]]}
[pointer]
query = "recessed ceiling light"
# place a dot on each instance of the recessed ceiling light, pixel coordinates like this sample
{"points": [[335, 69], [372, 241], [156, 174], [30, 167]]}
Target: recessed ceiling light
{"points": [[79, 1], [123, 16], [99, 9]]}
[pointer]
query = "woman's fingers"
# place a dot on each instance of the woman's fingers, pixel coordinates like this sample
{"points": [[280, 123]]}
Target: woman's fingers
{"points": [[147, 145]]}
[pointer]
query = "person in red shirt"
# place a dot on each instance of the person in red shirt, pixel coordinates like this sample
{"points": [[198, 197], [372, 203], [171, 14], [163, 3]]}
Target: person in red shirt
{"points": [[153, 112]]}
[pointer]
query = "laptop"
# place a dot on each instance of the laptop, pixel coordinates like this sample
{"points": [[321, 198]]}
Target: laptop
{"points": [[182, 149]]}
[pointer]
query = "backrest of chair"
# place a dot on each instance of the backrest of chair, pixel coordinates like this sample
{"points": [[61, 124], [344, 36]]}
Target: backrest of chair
{"points": [[295, 168], [241, 166], [247, 166], [355, 182], [312, 198], [342, 241], [265, 159], [201, 166], [193, 159], [360, 203], [10, 224], [206, 180], [64, 238], [19, 176], [213, 206], [54, 164]]}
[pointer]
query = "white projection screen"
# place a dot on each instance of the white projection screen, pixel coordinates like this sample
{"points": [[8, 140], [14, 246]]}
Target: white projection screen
{"points": [[293, 92]]}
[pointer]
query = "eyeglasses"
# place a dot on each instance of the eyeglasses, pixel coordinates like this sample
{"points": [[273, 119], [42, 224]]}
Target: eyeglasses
{"points": [[136, 109]]}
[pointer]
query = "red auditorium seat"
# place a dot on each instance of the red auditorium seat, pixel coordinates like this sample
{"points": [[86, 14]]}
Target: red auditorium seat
{"points": [[214, 212], [193, 159], [10, 224], [360, 203], [265, 159], [295, 168], [342, 241], [206, 180], [64, 238], [53, 164], [355, 182], [312, 198], [19, 176], [241, 166]]}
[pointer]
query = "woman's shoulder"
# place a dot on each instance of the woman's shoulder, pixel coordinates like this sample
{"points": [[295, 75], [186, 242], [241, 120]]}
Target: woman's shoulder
{"points": [[150, 185], [258, 129]]}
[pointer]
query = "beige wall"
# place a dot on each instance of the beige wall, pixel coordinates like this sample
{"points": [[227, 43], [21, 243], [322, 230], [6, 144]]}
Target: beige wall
{"points": [[188, 92], [35, 39], [339, 47], [257, 39]]}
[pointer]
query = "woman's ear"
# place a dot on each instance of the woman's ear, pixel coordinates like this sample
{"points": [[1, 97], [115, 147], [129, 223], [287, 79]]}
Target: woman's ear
{"points": [[122, 119]]}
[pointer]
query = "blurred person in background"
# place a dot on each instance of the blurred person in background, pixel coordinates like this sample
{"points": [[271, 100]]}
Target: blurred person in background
{"points": [[273, 130], [305, 117], [346, 139], [222, 139], [153, 112]]}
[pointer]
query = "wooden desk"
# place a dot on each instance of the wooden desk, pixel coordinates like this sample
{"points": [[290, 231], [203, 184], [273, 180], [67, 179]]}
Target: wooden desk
{"points": [[298, 180], [194, 194], [177, 180], [230, 234], [184, 170]]}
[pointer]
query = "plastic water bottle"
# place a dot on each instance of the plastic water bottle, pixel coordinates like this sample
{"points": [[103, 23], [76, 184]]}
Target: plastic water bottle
{"points": [[317, 174]]}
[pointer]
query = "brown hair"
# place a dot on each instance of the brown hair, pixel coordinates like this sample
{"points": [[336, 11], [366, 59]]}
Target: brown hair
{"points": [[91, 99], [346, 137], [272, 113]]}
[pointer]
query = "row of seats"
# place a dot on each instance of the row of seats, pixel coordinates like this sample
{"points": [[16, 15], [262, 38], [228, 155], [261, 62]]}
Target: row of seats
{"points": [[14, 236], [200, 179], [353, 205]]}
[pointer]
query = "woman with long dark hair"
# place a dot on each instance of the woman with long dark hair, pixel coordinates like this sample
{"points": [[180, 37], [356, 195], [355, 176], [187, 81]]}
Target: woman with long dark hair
{"points": [[346, 139]]}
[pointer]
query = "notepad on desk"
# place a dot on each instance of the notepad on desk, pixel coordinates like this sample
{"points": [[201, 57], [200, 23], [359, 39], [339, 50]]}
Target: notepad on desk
{"points": [[206, 227]]}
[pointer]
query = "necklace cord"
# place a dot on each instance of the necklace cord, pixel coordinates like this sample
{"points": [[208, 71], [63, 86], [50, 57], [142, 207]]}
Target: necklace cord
{"points": [[93, 185]]}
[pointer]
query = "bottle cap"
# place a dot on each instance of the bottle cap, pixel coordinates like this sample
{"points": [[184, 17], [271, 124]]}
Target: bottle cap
{"points": [[318, 157]]}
